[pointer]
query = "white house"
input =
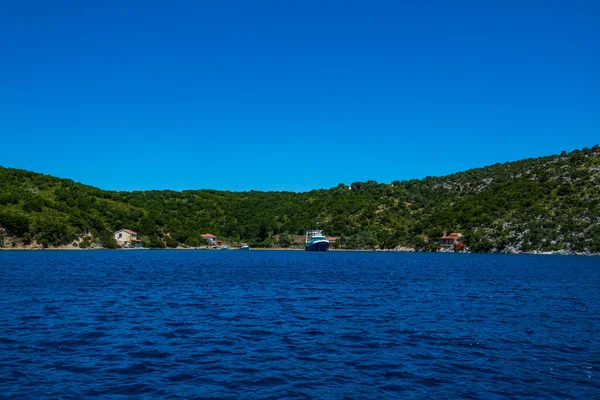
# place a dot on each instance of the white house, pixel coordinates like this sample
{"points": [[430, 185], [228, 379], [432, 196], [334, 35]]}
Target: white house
{"points": [[126, 237]]}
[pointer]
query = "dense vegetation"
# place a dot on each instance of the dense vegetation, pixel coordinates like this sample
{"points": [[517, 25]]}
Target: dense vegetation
{"points": [[546, 203]]}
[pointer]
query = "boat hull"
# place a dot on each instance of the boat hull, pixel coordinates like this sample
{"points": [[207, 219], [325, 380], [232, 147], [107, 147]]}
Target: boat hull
{"points": [[318, 246]]}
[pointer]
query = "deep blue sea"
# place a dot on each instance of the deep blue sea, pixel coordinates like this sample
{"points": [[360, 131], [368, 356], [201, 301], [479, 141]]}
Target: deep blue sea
{"points": [[285, 324]]}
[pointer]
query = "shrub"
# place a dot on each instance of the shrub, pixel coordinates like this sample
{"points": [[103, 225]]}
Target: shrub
{"points": [[170, 242], [14, 224], [85, 243], [434, 247]]}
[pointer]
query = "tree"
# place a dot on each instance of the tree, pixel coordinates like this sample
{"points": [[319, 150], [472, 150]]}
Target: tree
{"points": [[263, 231], [477, 242], [14, 224], [285, 240], [170, 242]]}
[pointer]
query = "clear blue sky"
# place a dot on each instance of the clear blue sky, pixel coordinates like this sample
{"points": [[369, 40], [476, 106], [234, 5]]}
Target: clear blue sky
{"points": [[291, 95]]}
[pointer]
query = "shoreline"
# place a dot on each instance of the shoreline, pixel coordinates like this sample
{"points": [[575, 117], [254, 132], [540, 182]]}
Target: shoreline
{"points": [[402, 250]]}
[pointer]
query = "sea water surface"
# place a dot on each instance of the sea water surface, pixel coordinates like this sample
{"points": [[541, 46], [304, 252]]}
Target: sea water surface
{"points": [[275, 324]]}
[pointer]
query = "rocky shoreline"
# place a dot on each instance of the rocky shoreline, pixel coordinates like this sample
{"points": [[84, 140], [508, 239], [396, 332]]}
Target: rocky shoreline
{"points": [[400, 249], [507, 250]]}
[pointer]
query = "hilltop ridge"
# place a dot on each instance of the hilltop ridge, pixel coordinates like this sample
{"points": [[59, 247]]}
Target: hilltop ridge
{"points": [[540, 204]]}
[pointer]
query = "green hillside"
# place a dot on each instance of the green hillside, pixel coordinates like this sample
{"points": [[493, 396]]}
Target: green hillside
{"points": [[546, 203]]}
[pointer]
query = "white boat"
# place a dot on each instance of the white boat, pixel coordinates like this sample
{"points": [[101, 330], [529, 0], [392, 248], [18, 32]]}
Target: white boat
{"points": [[316, 241]]}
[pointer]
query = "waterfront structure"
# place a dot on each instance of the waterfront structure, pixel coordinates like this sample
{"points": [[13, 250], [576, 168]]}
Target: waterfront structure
{"points": [[212, 239], [126, 237], [450, 240]]}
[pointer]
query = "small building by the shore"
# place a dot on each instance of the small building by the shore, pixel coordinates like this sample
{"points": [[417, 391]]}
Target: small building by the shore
{"points": [[127, 237], [210, 238], [450, 240], [332, 239]]}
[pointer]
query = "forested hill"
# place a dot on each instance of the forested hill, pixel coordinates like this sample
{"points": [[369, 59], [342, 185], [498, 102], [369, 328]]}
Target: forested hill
{"points": [[546, 203]]}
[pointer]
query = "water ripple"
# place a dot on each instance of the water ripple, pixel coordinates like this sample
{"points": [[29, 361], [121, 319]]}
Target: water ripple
{"points": [[272, 325]]}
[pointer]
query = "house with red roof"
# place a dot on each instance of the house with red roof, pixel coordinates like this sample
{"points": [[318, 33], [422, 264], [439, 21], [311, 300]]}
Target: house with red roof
{"points": [[450, 240], [212, 239], [126, 238]]}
